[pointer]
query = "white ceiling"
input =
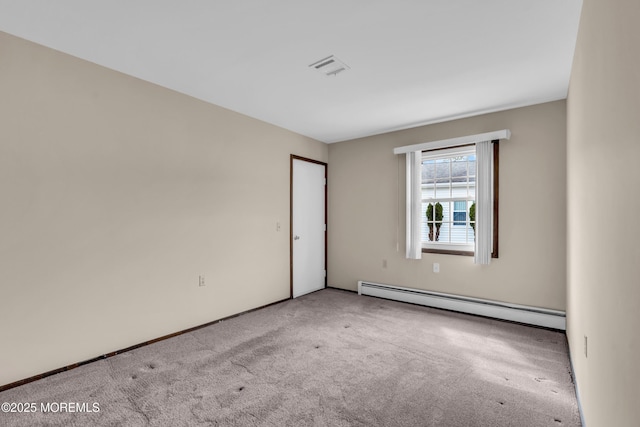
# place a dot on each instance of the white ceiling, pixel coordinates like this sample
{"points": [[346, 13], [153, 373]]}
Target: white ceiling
{"points": [[412, 62]]}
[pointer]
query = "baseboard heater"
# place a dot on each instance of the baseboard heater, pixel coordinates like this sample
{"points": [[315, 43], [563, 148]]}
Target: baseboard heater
{"points": [[554, 319]]}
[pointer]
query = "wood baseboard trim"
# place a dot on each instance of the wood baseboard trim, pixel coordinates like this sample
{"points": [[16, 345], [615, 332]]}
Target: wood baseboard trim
{"points": [[341, 289], [124, 350]]}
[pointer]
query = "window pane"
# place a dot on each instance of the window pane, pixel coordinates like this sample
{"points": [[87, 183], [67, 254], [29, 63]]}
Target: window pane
{"points": [[459, 169], [446, 209], [458, 234], [460, 205], [443, 191], [428, 170], [425, 228], [442, 170], [472, 166], [461, 191], [460, 213], [428, 191], [442, 180], [444, 232]]}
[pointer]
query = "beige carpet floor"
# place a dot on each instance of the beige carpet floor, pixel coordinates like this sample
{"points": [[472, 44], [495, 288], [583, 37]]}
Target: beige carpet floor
{"points": [[331, 358]]}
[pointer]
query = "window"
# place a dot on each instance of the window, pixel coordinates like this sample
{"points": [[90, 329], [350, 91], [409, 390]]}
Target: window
{"points": [[448, 189], [452, 207]]}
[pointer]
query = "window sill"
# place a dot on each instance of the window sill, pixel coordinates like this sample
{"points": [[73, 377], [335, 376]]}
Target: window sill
{"points": [[452, 252], [446, 252]]}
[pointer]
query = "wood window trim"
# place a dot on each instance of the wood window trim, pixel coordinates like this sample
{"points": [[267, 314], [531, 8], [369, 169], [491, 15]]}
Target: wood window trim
{"points": [[446, 252], [496, 186]]}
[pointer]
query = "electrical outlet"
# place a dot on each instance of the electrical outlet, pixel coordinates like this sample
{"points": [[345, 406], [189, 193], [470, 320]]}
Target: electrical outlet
{"points": [[436, 267], [201, 280], [384, 263], [278, 226]]}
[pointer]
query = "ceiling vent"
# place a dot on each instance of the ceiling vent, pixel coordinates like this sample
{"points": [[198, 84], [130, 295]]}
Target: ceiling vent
{"points": [[329, 66]]}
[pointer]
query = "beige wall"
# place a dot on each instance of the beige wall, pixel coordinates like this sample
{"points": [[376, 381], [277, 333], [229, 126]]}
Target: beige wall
{"points": [[366, 212], [116, 195], [603, 112]]}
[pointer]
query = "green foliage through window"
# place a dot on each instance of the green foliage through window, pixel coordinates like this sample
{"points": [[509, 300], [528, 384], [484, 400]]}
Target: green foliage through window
{"points": [[437, 222]]}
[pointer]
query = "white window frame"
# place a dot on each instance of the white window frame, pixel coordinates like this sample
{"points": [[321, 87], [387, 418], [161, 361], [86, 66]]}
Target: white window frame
{"points": [[449, 153], [486, 189]]}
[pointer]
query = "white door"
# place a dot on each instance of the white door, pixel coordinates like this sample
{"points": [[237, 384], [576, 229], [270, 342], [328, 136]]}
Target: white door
{"points": [[308, 226]]}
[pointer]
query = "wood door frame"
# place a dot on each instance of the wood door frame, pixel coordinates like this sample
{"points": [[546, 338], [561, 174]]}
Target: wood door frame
{"points": [[305, 159]]}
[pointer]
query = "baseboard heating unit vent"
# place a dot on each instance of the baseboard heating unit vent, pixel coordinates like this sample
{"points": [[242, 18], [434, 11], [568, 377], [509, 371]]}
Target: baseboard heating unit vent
{"points": [[517, 313]]}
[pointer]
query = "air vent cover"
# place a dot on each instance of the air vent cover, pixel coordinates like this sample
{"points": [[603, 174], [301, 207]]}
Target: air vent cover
{"points": [[329, 66]]}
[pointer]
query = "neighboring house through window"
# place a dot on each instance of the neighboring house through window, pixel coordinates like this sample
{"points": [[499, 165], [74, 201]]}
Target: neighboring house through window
{"points": [[448, 188], [460, 213]]}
